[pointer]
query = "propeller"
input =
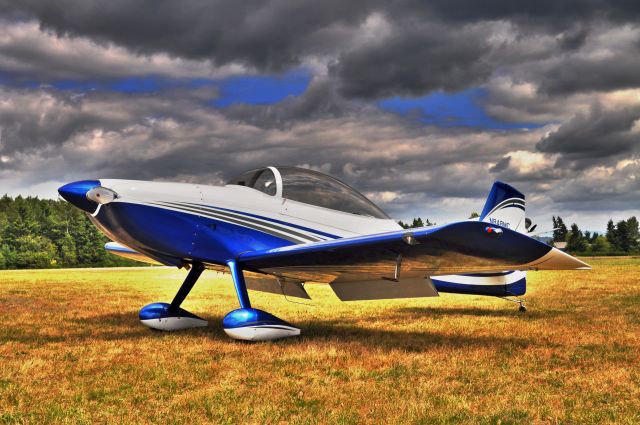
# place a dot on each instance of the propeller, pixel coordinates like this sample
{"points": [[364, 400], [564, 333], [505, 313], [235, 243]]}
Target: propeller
{"points": [[542, 232], [528, 224]]}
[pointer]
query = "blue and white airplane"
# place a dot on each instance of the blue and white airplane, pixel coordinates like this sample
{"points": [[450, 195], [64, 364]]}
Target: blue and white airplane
{"points": [[276, 228]]}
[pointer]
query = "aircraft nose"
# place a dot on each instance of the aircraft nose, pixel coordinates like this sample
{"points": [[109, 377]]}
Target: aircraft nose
{"points": [[76, 193]]}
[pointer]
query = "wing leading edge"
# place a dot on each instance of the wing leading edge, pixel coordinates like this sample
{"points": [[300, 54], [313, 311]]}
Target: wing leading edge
{"points": [[463, 247], [131, 254]]}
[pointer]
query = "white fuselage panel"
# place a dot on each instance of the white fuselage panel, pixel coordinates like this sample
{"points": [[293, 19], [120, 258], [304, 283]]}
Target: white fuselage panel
{"points": [[251, 201]]}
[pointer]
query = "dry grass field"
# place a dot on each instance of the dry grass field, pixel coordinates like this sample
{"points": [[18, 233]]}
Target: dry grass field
{"points": [[72, 351]]}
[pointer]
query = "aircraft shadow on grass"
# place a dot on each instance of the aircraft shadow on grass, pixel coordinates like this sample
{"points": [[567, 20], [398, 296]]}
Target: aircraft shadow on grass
{"points": [[125, 325], [433, 312]]}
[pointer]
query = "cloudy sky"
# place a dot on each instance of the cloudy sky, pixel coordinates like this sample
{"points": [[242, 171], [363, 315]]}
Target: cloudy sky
{"points": [[420, 105]]}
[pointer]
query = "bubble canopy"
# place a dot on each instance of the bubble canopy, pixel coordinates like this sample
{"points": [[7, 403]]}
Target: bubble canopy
{"points": [[309, 187]]}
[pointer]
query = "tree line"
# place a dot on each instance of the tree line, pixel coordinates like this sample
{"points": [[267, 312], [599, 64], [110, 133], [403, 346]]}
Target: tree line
{"points": [[417, 222], [621, 238], [44, 233]]}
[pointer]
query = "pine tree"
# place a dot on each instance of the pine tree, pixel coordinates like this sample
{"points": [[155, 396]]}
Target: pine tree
{"points": [[560, 232], [575, 240], [9, 255], [35, 252], [611, 234], [600, 245], [67, 251], [634, 233], [623, 240]]}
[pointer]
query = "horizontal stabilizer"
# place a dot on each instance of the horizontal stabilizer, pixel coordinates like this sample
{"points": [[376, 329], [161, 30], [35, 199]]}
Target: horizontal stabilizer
{"points": [[500, 284]]}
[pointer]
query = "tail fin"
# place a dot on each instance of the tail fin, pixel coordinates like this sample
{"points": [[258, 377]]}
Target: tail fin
{"points": [[504, 207]]}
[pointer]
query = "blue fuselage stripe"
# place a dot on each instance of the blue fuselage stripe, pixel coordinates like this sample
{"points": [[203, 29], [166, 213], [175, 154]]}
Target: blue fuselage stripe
{"points": [[306, 229], [260, 227], [237, 216]]}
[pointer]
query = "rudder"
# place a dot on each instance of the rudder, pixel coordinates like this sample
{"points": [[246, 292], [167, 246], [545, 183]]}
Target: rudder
{"points": [[505, 206]]}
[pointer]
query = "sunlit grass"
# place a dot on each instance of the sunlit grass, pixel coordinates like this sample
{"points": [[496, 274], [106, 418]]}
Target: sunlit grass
{"points": [[72, 351]]}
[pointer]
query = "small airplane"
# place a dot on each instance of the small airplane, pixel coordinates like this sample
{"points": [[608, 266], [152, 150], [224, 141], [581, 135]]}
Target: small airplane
{"points": [[276, 228]]}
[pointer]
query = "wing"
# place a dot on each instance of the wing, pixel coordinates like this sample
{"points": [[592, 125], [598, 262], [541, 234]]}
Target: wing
{"points": [[463, 247], [126, 252]]}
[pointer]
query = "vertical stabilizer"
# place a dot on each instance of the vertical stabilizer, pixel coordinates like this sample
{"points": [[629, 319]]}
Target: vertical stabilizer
{"points": [[504, 207]]}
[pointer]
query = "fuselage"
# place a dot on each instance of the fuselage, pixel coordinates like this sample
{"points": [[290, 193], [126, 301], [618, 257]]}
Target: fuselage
{"points": [[213, 224], [180, 223]]}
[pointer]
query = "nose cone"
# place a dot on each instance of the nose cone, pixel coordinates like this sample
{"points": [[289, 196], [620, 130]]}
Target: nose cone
{"points": [[76, 193]]}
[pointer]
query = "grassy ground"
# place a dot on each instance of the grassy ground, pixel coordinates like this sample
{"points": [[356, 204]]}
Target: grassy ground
{"points": [[73, 351]]}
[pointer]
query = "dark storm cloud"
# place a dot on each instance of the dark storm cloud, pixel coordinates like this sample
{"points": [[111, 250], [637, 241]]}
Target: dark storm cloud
{"points": [[501, 165], [178, 137], [418, 48], [28, 55], [574, 38], [25, 127], [421, 58], [539, 13], [575, 75], [268, 35], [595, 137], [321, 100], [31, 120], [537, 177], [607, 191]]}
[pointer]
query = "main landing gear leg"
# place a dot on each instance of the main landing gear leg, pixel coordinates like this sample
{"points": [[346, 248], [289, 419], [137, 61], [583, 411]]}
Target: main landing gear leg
{"points": [[251, 324], [170, 317], [522, 308]]}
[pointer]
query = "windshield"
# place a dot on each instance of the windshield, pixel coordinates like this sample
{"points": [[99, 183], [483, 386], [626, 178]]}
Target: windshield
{"points": [[312, 187]]}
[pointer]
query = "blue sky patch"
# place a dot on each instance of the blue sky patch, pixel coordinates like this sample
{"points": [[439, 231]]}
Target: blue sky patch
{"points": [[145, 84], [249, 89], [136, 85], [461, 109], [261, 89]]}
